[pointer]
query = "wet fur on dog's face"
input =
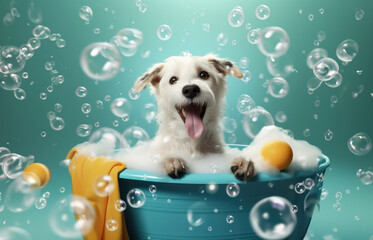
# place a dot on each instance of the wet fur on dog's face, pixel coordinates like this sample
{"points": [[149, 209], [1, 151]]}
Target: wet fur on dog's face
{"points": [[190, 92]]}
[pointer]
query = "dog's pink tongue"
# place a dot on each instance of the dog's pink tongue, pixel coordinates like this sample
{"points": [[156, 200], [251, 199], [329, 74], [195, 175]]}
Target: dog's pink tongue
{"points": [[193, 122]]}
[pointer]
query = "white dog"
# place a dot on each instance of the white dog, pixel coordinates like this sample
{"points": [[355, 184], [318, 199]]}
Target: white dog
{"points": [[190, 93]]}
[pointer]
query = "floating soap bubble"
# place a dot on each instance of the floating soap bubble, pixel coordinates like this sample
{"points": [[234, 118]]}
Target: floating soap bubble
{"points": [[309, 183], [255, 120], [49, 65], [135, 135], [133, 95], [244, 62], [136, 198], [20, 195], [57, 123], [46, 195], [316, 55], [111, 225], [366, 177], [10, 81], [272, 218], [359, 14], [81, 91], [34, 43], [325, 69], [108, 135], [72, 217], [229, 219], [120, 107], [40, 203], [60, 42], [206, 27], [347, 50], [149, 112], [222, 39], [281, 117], [85, 13], [164, 32], [233, 190], [246, 76], [274, 42], [41, 32], [130, 37], [334, 99], [253, 36], [280, 67], [245, 103], [120, 205], [335, 82], [83, 130], [104, 185], [228, 125], [62, 189], [321, 36], [328, 135], [13, 164], [100, 61], [236, 17], [14, 233], [125, 51], [324, 194], [262, 12], [26, 51], [195, 215], [86, 108], [310, 17], [299, 188], [307, 132], [360, 144], [278, 87], [11, 60]]}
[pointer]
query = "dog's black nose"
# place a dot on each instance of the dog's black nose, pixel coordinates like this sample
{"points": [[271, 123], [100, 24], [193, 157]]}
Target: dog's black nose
{"points": [[191, 91]]}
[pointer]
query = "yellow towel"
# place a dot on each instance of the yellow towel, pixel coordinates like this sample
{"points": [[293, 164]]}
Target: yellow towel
{"points": [[84, 170]]}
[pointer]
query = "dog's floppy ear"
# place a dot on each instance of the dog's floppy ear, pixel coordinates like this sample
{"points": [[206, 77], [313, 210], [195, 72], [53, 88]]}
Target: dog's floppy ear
{"points": [[152, 76], [224, 66]]}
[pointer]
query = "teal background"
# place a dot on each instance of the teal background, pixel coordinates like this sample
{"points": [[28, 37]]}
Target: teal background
{"points": [[21, 122]]}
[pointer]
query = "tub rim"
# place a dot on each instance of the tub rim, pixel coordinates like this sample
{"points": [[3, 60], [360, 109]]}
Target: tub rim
{"points": [[221, 178]]}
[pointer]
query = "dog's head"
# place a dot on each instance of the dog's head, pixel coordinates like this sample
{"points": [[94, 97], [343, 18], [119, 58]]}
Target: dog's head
{"points": [[190, 90]]}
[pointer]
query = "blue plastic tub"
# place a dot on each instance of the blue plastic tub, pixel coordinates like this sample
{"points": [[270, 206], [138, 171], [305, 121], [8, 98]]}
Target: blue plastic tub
{"points": [[196, 206]]}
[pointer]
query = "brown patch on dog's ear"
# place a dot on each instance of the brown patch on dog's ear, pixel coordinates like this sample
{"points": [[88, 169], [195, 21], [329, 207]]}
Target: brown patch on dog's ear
{"points": [[152, 76], [224, 66]]}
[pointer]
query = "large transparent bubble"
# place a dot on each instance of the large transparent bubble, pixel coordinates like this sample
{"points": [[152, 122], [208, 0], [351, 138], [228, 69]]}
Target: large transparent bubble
{"points": [[360, 144], [108, 135], [14, 233], [316, 55], [72, 217], [100, 61], [104, 185], [164, 32], [280, 67], [10, 81], [120, 107], [255, 120], [272, 218], [136, 198], [196, 215], [262, 12], [21, 195], [85, 13], [278, 87], [325, 69], [11, 61], [13, 164], [236, 17], [336, 81], [41, 32], [347, 50], [274, 42], [134, 135]]}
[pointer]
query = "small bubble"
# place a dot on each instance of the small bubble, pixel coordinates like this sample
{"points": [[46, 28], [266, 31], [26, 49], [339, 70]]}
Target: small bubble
{"points": [[40, 203], [43, 96], [307, 132], [111, 225], [60, 42], [86, 108], [120, 205], [233, 190], [164, 32], [43, 134], [62, 190], [115, 123], [321, 10], [299, 188], [328, 135], [222, 39], [81, 91], [19, 94], [230, 219], [96, 31], [152, 188], [294, 208], [337, 206], [133, 95], [209, 228], [262, 12], [359, 14], [57, 123], [57, 107], [25, 75], [338, 196], [310, 17]]}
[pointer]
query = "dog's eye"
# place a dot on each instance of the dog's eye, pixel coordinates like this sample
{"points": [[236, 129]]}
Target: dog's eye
{"points": [[173, 80], [204, 75]]}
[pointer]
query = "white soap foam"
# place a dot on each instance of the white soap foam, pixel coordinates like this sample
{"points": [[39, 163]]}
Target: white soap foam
{"points": [[143, 158]]}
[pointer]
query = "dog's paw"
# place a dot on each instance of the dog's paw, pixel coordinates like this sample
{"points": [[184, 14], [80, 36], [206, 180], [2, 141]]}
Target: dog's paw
{"points": [[174, 167], [243, 169]]}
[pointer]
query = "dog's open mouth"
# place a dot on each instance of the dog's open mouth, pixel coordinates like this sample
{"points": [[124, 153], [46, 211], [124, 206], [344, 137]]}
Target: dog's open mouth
{"points": [[192, 115]]}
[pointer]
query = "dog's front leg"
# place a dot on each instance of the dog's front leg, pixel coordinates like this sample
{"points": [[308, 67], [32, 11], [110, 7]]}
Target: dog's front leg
{"points": [[174, 167], [243, 169]]}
